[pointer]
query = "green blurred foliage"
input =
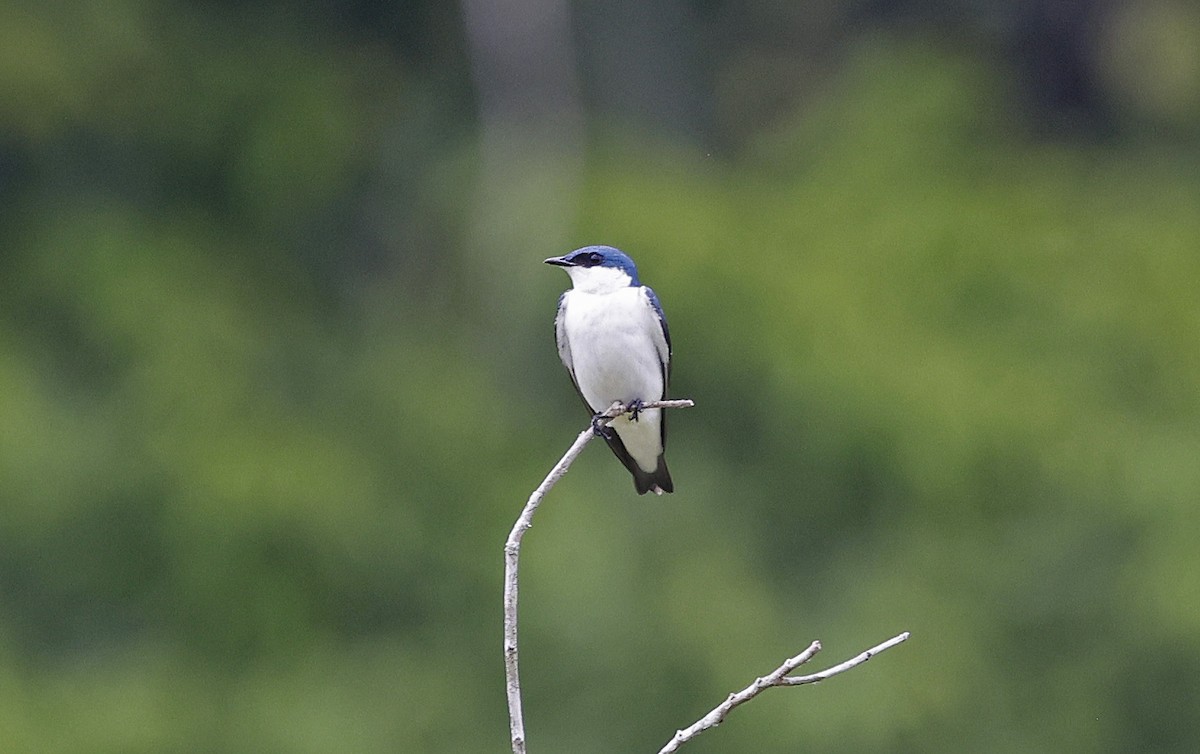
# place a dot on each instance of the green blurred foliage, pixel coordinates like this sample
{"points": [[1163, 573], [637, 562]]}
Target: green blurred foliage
{"points": [[263, 428]]}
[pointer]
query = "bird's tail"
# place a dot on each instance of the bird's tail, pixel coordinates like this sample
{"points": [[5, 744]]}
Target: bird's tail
{"points": [[658, 482]]}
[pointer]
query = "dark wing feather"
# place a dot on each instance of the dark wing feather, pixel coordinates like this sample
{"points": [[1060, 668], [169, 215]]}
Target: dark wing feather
{"points": [[564, 350], [560, 339], [664, 355], [664, 350]]}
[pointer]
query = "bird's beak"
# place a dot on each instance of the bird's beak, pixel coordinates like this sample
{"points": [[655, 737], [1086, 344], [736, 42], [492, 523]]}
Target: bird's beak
{"points": [[560, 262]]}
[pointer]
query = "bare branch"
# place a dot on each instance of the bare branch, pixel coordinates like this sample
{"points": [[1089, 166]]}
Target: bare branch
{"points": [[843, 667], [777, 677], [512, 554]]}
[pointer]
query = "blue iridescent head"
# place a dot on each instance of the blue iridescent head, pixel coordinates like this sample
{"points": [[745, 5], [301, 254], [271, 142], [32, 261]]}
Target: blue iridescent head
{"points": [[598, 267]]}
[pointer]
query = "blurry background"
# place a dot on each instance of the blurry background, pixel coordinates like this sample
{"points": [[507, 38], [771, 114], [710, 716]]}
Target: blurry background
{"points": [[277, 373]]}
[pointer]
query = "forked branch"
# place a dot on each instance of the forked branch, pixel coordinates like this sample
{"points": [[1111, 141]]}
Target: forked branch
{"points": [[512, 553], [777, 677]]}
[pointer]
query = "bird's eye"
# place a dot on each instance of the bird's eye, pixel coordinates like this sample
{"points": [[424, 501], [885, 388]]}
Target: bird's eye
{"points": [[587, 259]]}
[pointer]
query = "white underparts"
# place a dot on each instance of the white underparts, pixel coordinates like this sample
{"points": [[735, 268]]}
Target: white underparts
{"points": [[617, 350]]}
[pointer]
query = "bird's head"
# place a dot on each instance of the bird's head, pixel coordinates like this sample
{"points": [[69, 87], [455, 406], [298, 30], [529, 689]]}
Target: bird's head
{"points": [[598, 269]]}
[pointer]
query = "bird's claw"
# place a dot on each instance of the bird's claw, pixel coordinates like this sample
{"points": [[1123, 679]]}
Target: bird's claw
{"points": [[634, 409], [600, 428]]}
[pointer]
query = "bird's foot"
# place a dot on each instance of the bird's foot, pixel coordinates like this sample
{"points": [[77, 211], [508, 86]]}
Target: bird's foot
{"points": [[634, 409], [600, 428]]}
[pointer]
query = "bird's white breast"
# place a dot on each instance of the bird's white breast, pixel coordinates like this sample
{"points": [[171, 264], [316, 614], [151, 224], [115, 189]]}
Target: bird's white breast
{"points": [[613, 346], [615, 349]]}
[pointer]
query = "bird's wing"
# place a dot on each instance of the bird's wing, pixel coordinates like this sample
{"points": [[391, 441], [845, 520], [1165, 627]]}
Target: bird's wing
{"points": [[662, 340], [560, 335], [564, 346]]}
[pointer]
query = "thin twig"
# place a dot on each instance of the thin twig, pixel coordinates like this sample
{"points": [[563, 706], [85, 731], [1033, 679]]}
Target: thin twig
{"points": [[855, 661], [512, 554], [777, 677]]}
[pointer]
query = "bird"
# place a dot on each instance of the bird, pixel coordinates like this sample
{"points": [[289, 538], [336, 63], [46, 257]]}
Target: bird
{"points": [[613, 339]]}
